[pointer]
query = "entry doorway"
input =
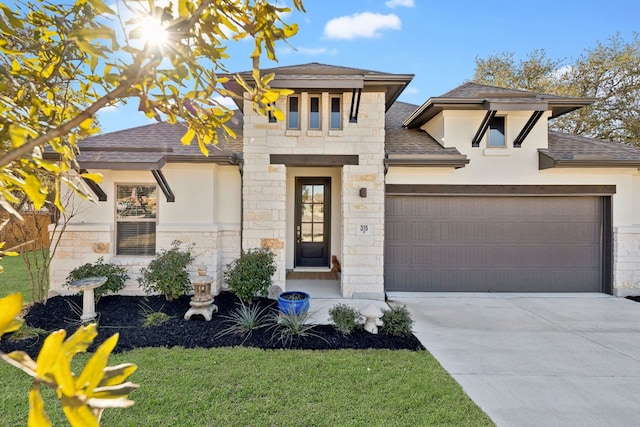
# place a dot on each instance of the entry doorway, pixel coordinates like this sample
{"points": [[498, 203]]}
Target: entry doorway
{"points": [[312, 221]]}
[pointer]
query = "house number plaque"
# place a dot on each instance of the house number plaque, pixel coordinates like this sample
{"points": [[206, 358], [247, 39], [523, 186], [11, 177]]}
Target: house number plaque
{"points": [[364, 230]]}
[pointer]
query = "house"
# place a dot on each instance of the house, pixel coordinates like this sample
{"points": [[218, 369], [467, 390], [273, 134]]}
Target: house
{"points": [[470, 191]]}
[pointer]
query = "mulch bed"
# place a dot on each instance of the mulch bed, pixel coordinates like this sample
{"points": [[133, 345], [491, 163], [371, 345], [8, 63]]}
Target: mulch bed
{"points": [[123, 314]]}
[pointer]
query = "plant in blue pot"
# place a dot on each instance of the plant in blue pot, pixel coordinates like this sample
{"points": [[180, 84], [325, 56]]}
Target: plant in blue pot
{"points": [[293, 302]]}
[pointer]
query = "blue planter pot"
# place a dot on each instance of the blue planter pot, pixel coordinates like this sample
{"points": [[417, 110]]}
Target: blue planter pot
{"points": [[293, 302]]}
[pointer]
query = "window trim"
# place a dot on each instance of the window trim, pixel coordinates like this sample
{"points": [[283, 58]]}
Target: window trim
{"points": [[331, 112], [298, 103], [134, 220], [503, 119], [319, 112]]}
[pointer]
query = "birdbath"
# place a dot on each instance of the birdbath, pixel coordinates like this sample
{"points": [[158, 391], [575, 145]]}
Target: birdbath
{"points": [[87, 285], [372, 313], [202, 300]]}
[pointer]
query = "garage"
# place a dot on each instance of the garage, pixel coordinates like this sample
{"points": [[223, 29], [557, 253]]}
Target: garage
{"points": [[520, 239]]}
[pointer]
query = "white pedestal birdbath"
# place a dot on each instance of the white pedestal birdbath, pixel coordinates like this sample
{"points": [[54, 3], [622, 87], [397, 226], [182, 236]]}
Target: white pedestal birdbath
{"points": [[87, 285], [202, 300], [371, 313]]}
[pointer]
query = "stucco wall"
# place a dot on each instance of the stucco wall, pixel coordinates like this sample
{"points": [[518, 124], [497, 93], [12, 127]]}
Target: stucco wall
{"points": [[206, 212]]}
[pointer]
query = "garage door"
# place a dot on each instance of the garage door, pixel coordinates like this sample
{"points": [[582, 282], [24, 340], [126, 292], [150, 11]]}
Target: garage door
{"points": [[494, 243]]}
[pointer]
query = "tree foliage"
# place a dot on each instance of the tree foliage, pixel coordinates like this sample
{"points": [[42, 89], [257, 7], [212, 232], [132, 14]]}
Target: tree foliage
{"points": [[608, 72], [60, 63], [83, 397]]}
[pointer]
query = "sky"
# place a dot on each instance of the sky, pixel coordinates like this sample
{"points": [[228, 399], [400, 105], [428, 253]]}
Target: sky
{"points": [[437, 41]]}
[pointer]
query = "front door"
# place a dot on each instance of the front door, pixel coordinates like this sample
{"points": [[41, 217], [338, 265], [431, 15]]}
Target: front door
{"points": [[313, 213]]}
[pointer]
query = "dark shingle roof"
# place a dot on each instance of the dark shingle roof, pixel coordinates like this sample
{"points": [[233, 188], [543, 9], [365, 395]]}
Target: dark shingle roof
{"points": [[150, 146], [567, 150]]}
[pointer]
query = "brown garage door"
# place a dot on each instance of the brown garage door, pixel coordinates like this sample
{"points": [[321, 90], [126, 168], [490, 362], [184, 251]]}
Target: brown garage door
{"points": [[494, 243]]}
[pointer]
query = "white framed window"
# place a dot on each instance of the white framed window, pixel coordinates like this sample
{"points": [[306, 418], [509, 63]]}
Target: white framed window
{"points": [[293, 112], [497, 132], [315, 121], [335, 116], [136, 215]]}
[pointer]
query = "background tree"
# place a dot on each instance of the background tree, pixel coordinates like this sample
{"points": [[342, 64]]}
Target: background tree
{"points": [[609, 72], [61, 63]]}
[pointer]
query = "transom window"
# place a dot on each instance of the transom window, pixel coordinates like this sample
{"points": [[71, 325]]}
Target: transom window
{"points": [[336, 113], [314, 112], [293, 112], [136, 213], [496, 132]]}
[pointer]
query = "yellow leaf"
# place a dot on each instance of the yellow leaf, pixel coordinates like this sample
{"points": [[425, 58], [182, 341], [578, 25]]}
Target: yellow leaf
{"points": [[271, 96], [95, 177], [278, 114], [79, 341], [117, 374], [10, 307], [49, 353], [86, 124], [188, 137], [33, 189], [37, 415], [21, 360], [94, 369], [78, 414]]}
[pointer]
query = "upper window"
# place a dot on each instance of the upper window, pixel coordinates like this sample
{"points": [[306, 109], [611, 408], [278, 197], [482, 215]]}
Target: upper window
{"points": [[314, 112], [496, 132], [336, 113], [136, 208], [293, 113]]}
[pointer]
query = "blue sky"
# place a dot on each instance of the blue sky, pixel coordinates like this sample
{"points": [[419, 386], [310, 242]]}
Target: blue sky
{"points": [[438, 41]]}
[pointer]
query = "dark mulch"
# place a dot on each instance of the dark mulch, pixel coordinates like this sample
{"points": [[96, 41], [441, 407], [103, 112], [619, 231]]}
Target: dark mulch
{"points": [[634, 298], [123, 314]]}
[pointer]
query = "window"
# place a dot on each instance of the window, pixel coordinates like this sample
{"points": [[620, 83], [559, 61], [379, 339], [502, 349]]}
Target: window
{"points": [[336, 113], [314, 112], [496, 133], [136, 208], [293, 115], [270, 115]]}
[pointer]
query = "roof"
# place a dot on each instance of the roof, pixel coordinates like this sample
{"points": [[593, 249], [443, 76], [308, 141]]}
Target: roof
{"points": [[474, 96], [567, 150], [322, 76], [415, 147], [149, 147]]}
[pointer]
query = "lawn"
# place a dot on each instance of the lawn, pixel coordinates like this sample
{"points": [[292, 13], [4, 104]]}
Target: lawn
{"points": [[236, 386], [252, 387], [15, 277]]}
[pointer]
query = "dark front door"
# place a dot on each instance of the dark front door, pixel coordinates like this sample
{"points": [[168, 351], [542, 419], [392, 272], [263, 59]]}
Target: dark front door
{"points": [[313, 212]]}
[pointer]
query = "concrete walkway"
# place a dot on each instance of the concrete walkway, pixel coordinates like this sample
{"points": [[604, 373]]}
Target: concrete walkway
{"points": [[537, 360]]}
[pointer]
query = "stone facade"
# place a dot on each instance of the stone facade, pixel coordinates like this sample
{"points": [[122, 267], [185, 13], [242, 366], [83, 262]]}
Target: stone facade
{"points": [[265, 187], [626, 264]]}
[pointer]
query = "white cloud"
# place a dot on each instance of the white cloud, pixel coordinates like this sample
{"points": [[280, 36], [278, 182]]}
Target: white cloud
{"points": [[412, 91], [364, 24], [399, 3], [226, 101]]}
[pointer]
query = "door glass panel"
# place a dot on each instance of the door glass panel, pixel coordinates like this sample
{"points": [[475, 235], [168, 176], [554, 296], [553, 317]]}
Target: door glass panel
{"points": [[307, 193], [318, 193], [318, 213], [306, 232], [307, 208], [318, 232]]}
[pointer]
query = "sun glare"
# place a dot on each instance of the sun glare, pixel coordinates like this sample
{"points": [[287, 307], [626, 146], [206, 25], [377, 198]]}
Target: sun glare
{"points": [[152, 31]]}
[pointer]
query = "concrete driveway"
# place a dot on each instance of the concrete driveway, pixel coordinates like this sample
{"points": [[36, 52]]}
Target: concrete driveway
{"points": [[537, 360]]}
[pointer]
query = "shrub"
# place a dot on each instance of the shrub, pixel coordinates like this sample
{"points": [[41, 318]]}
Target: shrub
{"points": [[288, 326], [167, 272], [245, 319], [397, 321], [151, 316], [116, 276], [250, 274], [345, 318]]}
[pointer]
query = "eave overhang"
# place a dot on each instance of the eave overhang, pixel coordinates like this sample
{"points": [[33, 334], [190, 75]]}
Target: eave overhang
{"points": [[546, 161], [558, 106]]}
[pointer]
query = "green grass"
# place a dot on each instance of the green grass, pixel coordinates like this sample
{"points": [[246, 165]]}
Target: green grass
{"points": [[252, 387], [15, 277]]}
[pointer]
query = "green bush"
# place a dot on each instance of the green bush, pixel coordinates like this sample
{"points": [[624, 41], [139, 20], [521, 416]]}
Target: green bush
{"points": [[152, 317], [345, 318], [397, 321], [288, 326], [250, 274], [245, 319], [167, 272], [116, 276]]}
